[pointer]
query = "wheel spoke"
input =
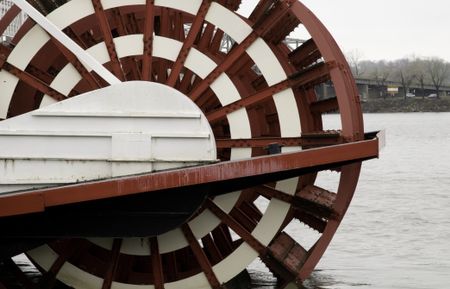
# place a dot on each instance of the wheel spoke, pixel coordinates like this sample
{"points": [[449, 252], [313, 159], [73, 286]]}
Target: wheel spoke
{"points": [[260, 9], [196, 27], [313, 200], [77, 64], [71, 247], [201, 257], [216, 41], [222, 239], [158, 277], [207, 35], [33, 81], [262, 250], [108, 39], [231, 58], [305, 55], [148, 40], [324, 106], [236, 227], [165, 30], [4, 52], [212, 248], [54, 31], [312, 221], [113, 263], [306, 78], [8, 18]]}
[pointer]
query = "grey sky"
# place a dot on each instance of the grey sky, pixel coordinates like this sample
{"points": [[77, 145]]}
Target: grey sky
{"points": [[386, 29]]}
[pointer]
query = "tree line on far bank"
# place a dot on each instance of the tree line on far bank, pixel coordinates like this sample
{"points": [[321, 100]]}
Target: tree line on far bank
{"points": [[417, 71]]}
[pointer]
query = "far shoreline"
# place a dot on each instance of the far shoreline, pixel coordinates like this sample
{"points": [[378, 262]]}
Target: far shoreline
{"points": [[410, 104]]}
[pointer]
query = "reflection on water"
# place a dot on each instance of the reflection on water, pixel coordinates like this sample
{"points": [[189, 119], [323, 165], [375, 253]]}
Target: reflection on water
{"points": [[318, 280], [262, 279], [396, 232]]}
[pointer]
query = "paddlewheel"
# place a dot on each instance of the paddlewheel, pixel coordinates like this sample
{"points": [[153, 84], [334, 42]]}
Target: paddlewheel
{"points": [[137, 151]]}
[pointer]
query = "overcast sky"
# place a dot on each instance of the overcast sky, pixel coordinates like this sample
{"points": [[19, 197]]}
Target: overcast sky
{"points": [[386, 29]]}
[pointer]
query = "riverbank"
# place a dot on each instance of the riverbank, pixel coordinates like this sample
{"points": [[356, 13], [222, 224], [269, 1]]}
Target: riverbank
{"points": [[413, 104]]}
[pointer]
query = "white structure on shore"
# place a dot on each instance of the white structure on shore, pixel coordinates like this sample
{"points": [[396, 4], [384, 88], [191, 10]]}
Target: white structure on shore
{"points": [[15, 24]]}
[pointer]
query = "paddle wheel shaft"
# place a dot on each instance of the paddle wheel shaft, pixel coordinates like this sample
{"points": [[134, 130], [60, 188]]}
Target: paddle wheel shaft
{"points": [[137, 152]]}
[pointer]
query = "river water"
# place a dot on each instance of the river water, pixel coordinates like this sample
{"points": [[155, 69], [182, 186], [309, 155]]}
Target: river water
{"points": [[396, 233]]}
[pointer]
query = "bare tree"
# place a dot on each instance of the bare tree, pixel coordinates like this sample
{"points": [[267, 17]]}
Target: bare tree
{"points": [[438, 71], [421, 71], [405, 74], [381, 73], [354, 60], [420, 74]]}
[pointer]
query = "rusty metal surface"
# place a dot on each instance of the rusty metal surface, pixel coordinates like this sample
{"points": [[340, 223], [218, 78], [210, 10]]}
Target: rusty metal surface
{"points": [[302, 78], [158, 278], [316, 61], [146, 71], [38, 200], [8, 17], [201, 257], [88, 76], [288, 252], [108, 38], [33, 81], [113, 264], [194, 31], [318, 195]]}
